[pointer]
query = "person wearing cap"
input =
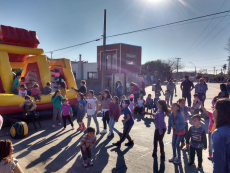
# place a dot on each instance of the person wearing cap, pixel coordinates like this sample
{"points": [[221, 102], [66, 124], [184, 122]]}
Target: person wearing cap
{"points": [[186, 87], [171, 87]]}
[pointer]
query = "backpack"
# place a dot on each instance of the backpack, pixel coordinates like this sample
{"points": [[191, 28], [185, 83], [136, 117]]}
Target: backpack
{"points": [[18, 130]]}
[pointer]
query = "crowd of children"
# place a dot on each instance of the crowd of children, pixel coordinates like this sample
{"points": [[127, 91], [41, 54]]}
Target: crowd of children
{"points": [[193, 138]]}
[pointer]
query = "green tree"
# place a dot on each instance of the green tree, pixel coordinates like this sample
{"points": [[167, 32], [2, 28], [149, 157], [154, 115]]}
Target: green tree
{"points": [[224, 68], [157, 68]]}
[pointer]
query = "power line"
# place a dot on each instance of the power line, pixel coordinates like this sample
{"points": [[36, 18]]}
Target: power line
{"points": [[203, 30], [211, 38], [168, 24], [75, 45], [159, 26]]}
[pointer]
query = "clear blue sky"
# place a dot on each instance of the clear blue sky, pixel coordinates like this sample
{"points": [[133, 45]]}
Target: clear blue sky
{"points": [[62, 23]]}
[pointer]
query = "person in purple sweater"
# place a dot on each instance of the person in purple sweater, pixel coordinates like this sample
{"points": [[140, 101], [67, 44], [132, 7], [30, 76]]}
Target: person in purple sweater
{"points": [[160, 127]]}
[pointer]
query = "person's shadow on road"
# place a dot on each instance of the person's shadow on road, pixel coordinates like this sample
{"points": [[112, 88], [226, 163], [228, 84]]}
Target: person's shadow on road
{"points": [[155, 166], [120, 165]]}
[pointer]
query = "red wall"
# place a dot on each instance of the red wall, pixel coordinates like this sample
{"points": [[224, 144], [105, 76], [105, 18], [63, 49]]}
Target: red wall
{"points": [[125, 48]]}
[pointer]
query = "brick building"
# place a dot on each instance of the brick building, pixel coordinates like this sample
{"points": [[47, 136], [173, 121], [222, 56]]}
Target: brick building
{"points": [[120, 58]]}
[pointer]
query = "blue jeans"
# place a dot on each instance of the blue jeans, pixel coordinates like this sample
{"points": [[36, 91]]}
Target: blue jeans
{"points": [[176, 144], [171, 98], [111, 126], [183, 138]]}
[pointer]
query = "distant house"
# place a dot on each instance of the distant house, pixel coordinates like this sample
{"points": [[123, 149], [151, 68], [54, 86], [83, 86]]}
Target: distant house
{"points": [[84, 70], [120, 59]]}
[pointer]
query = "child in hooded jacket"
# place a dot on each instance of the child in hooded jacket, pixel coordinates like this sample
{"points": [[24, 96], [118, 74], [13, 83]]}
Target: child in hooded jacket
{"points": [[114, 114]]}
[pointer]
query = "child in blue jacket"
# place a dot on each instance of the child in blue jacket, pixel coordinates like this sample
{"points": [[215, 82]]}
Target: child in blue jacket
{"points": [[176, 121]]}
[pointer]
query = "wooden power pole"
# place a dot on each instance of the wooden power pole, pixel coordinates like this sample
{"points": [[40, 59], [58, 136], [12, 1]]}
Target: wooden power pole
{"points": [[103, 61]]}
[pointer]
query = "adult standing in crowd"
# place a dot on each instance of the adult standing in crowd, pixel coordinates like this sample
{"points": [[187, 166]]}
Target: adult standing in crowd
{"points": [[223, 91], [186, 87], [200, 89], [135, 91], [141, 84], [119, 89], [158, 88], [171, 87], [220, 137], [82, 89]]}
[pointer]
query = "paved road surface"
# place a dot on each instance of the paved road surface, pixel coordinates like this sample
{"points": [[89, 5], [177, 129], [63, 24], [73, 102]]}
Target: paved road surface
{"points": [[52, 150]]}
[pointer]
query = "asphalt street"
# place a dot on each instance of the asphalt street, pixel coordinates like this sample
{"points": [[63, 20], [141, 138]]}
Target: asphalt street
{"points": [[52, 150]]}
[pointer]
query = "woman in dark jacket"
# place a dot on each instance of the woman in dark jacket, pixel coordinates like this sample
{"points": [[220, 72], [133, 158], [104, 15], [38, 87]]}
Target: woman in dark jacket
{"points": [[135, 90], [158, 88], [82, 89], [141, 84], [223, 91], [114, 114]]}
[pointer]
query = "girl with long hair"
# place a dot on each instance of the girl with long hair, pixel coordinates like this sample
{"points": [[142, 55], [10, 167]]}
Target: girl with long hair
{"points": [[176, 121], [57, 102], [221, 137], [160, 127], [223, 91], [81, 108], [8, 164], [105, 103]]}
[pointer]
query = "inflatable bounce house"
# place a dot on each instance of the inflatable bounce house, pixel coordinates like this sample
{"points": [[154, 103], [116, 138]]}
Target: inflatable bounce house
{"points": [[18, 49]]}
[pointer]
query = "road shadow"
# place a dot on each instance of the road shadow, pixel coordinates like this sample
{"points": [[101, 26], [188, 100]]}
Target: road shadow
{"points": [[146, 118], [155, 165], [100, 157], [48, 154], [120, 164]]}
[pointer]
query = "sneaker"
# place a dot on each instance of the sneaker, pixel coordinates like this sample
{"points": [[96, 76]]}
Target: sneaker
{"points": [[91, 163], [83, 129], [84, 165], [97, 132], [73, 128], [109, 134], [177, 161], [130, 143], [36, 100], [59, 124], [199, 167], [53, 126], [182, 145], [172, 159], [63, 129], [104, 131], [210, 157], [79, 128], [191, 164]]}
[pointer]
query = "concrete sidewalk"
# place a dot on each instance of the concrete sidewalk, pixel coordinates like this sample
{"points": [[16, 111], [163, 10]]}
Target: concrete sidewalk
{"points": [[52, 150]]}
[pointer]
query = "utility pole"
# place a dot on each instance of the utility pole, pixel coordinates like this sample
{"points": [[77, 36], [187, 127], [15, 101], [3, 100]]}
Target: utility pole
{"points": [[177, 65], [51, 54], [103, 61], [214, 70], [228, 65]]}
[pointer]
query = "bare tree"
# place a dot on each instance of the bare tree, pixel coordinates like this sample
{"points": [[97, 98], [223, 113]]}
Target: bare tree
{"points": [[172, 62]]}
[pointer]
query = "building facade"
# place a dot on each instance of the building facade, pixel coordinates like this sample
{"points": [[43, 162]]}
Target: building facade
{"points": [[120, 58]]}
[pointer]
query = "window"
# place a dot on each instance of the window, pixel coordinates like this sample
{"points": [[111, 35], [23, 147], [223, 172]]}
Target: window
{"points": [[131, 62], [130, 55], [92, 75], [111, 62]]}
